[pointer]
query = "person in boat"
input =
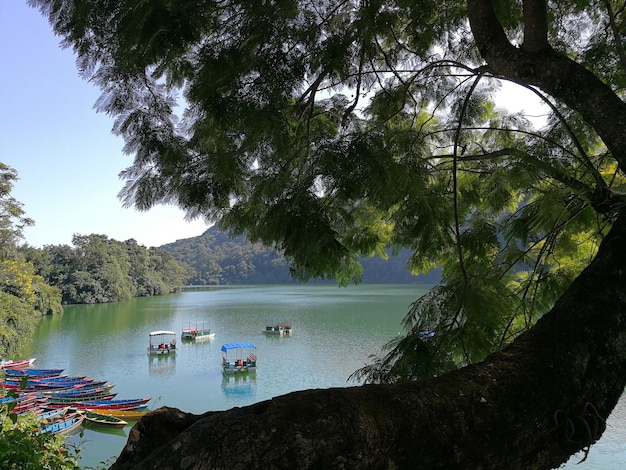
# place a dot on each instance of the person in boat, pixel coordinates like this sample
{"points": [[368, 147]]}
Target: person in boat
{"points": [[239, 363]]}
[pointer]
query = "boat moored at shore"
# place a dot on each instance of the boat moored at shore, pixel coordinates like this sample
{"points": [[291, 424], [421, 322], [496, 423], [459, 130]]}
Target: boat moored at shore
{"points": [[127, 415], [33, 373], [65, 424], [16, 364], [100, 419]]}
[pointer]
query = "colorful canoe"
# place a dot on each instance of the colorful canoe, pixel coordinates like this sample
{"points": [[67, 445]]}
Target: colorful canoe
{"points": [[44, 415], [128, 404], [99, 419], [52, 384], [33, 372], [95, 393], [119, 404], [63, 425], [128, 415], [19, 378], [17, 364], [22, 402], [70, 400]]}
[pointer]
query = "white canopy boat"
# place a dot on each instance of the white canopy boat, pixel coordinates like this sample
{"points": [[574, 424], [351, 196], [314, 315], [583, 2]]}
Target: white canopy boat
{"points": [[162, 342]]}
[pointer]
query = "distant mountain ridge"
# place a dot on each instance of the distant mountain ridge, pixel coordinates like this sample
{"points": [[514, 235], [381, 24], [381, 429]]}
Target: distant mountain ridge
{"points": [[214, 258]]}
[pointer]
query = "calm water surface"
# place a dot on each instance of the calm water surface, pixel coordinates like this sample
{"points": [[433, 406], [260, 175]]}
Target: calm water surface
{"points": [[335, 330]]}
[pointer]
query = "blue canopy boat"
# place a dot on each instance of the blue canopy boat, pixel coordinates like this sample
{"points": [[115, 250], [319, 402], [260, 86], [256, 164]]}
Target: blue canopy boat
{"points": [[238, 357]]}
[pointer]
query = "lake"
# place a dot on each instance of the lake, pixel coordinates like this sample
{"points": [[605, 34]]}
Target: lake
{"points": [[335, 330]]}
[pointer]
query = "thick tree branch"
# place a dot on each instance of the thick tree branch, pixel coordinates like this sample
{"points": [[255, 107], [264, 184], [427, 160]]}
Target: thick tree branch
{"points": [[535, 25], [554, 73]]}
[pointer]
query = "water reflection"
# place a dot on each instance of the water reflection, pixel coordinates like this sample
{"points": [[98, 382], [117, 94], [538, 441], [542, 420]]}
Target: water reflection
{"points": [[112, 431], [162, 365], [239, 386]]}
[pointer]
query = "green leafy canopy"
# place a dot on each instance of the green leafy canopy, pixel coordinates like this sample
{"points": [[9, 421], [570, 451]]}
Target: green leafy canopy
{"points": [[337, 129]]}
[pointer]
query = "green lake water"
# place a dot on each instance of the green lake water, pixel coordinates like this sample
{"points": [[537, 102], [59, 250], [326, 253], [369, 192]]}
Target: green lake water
{"points": [[335, 330]]}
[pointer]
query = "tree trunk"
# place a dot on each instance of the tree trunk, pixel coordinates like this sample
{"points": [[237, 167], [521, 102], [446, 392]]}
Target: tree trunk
{"points": [[532, 405]]}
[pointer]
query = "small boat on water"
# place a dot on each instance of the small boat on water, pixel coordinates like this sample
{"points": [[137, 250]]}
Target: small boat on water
{"points": [[16, 364], [54, 384], [21, 402], [238, 357], [17, 378], [162, 342], [196, 332], [279, 329], [44, 415], [74, 392], [14, 397], [63, 424], [38, 373], [128, 415], [71, 398], [95, 405], [99, 419]]}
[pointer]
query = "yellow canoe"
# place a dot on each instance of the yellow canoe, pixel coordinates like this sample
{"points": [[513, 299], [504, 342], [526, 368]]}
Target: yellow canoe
{"points": [[99, 419], [128, 415]]}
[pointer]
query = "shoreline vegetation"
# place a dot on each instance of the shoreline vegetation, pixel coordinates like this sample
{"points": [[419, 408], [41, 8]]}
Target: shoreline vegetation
{"points": [[97, 269]]}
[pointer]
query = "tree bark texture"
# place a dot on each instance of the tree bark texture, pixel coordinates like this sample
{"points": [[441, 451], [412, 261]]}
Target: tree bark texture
{"points": [[530, 406]]}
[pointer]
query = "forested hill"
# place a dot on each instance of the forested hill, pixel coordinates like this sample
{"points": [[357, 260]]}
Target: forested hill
{"points": [[215, 258]]}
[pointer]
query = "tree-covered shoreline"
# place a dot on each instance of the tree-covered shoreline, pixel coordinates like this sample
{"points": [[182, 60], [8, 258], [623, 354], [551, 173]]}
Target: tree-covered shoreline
{"points": [[97, 269], [24, 295]]}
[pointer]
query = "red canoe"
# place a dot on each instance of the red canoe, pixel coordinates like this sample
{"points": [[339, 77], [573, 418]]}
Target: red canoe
{"points": [[17, 364]]}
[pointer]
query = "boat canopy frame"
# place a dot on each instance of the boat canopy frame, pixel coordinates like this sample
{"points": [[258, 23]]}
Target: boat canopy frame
{"points": [[227, 346], [162, 333]]}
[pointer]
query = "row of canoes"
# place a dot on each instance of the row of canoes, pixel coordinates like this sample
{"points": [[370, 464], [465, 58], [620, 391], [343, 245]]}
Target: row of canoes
{"points": [[63, 403]]}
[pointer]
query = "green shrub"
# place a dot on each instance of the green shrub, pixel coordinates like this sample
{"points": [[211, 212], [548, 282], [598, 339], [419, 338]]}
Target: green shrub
{"points": [[21, 447]]}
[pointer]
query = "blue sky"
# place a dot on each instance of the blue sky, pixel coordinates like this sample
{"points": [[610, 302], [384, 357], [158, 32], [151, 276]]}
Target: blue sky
{"points": [[66, 157]]}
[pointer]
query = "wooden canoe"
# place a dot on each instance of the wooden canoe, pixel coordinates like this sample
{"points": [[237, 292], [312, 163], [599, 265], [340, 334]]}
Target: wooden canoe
{"points": [[99, 419], [45, 416], [128, 415], [63, 425], [17, 364], [33, 372], [71, 396], [130, 404]]}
